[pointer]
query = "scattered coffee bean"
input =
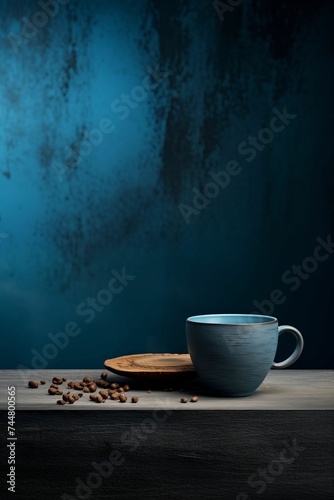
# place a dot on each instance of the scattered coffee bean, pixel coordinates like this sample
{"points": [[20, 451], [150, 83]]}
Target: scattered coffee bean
{"points": [[80, 395], [183, 400], [78, 387], [114, 396], [57, 380], [71, 384], [134, 399], [60, 402], [65, 397], [104, 375], [54, 385], [114, 386], [52, 391], [86, 389], [122, 398], [111, 391], [92, 387], [59, 393], [97, 398], [71, 400], [126, 387], [64, 379], [104, 394], [102, 383], [87, 380], [33, 384], [43, 382], [194, 399], [121, 389]]}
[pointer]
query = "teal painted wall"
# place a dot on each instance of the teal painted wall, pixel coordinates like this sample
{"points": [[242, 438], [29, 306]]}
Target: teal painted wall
{"points": [[112, 114]]}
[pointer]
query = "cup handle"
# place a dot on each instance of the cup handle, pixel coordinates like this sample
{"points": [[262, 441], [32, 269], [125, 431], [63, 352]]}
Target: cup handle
{"points": [[298, 350]]}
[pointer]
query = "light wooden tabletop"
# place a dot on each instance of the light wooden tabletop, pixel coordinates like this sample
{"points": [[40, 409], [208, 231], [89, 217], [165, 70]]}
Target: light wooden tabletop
{"points": [[281, 390]]}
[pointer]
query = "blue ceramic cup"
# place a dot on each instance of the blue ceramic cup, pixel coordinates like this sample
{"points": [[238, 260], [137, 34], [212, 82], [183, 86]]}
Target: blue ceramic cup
{"points": [[233, 353]]}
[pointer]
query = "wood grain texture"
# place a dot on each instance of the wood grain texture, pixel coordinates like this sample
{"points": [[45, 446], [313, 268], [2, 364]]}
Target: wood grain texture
{"points": [[148, 366], [190, 455], [282, 390]]}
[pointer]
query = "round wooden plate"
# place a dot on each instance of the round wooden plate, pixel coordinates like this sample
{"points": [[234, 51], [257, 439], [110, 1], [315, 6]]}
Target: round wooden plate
{"points": [[152, 366]]}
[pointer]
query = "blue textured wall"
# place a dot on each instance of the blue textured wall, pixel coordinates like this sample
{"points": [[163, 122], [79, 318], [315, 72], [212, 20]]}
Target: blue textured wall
{"points": [[66, 221]]}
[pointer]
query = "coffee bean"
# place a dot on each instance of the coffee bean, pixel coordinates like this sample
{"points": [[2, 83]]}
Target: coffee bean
{"points": [[102, 383], [183, 400], [64, 379], [52, 391], [57, 380], [122, 398], [78, 387], [92, 387], [60, 402], [104, 375], [104, 394], [134, 399], [71, 400], [33, 384], [114, 386], [114, 396], [59, 393], [43, 382], [120, 389], [87, 380], [194, 399], [96, 398], [126, 387], [71, 384], [65, 397], [54, 385], [86, 389], [80, 395]]}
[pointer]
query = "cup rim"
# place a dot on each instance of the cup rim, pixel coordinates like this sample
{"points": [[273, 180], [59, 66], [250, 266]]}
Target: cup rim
{"points": [[197, 319]]}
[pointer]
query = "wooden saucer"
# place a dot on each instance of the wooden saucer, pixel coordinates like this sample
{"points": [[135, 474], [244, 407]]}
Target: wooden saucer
{"points": [[148, 366]]}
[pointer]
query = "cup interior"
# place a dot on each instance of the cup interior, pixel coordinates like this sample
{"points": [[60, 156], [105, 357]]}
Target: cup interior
{"points": [[232, 319]]}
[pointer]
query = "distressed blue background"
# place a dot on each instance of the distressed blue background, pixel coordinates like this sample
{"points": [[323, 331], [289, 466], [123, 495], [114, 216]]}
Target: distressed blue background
{"points": [[119, 206]]}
